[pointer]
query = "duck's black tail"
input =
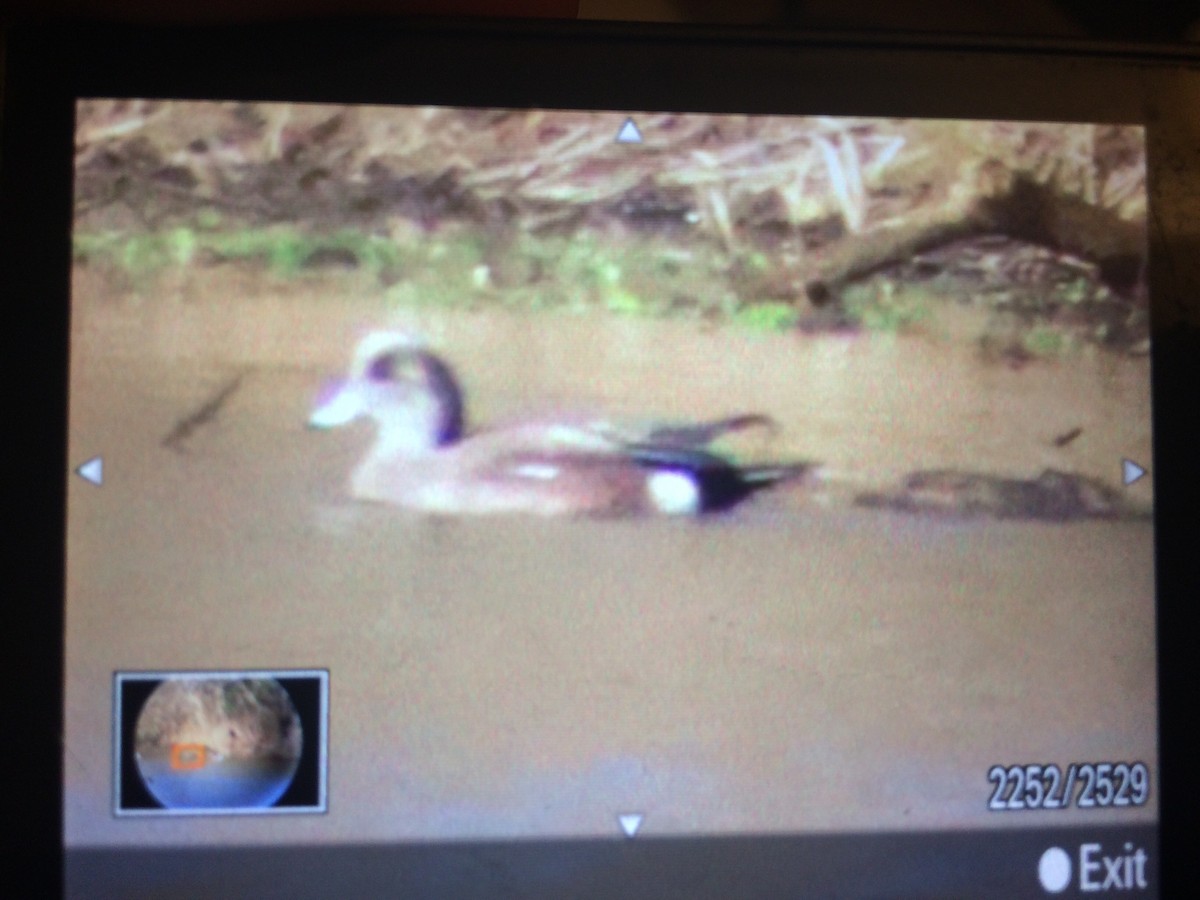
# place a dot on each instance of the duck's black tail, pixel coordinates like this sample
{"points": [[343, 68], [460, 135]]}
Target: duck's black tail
{"points": [[763, 476], [723, 487]]}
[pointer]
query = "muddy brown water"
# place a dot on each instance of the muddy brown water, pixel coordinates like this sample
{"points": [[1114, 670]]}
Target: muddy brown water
{"points": [[798, 665]]}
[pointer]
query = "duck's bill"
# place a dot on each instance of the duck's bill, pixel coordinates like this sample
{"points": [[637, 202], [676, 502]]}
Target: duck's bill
{"points": [[337, 405]]}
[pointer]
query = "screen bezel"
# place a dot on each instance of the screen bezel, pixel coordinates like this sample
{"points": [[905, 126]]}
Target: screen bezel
{"points": [[570, 65]]}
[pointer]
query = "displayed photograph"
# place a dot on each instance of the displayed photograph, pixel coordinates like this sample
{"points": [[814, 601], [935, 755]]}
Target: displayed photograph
{"points": [[720, 474]]}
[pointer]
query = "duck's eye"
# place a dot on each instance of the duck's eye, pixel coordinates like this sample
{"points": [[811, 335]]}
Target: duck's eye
{"points": [[395, 368], [382, 368]]}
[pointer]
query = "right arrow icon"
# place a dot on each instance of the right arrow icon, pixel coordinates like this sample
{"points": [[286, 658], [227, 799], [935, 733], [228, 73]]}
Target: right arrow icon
{"points": [[1131, 471]]}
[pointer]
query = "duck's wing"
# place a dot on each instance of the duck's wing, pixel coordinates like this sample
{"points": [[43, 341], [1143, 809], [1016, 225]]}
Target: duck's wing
{"points": [[681, 435], [542, 469], [551, 436], [701, 434], [596, 470]]}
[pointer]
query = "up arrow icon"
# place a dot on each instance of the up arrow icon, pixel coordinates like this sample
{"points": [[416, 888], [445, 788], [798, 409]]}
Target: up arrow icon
{"points": [[629, 133]]}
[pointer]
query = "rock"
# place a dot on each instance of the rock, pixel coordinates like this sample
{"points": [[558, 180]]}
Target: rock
{"points": [[1053, 496]]}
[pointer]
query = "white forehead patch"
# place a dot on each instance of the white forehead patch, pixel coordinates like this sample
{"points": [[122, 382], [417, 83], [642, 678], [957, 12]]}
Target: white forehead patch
{"points": [[674, 493], [378, 343]]}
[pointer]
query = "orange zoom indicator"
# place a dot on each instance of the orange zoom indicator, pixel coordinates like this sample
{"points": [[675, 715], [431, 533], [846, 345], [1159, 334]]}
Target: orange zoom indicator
{"points": [[188, 756]]}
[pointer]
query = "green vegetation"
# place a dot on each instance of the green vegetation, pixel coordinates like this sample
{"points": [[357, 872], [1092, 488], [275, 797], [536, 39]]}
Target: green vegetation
{"points": [[285, 251], [1044, 341], [772, 316], [1075, 291], [462, 268], [879, 305]]}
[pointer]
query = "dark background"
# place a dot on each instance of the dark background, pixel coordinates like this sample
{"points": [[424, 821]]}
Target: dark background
{"points": [[1144, 20]]}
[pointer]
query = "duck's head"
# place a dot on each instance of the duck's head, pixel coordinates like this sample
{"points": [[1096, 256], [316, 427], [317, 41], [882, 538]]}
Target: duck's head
{"points": [[408, 390]]}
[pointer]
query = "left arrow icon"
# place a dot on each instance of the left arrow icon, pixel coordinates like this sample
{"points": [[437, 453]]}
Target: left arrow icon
{"points": [[92, 470]]}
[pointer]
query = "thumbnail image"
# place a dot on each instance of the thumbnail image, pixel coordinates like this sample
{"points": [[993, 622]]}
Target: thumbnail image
{"points": [[225, 742]]}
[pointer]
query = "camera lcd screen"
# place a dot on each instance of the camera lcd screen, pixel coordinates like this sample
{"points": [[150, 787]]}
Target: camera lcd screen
{"points": [[571, 488]]}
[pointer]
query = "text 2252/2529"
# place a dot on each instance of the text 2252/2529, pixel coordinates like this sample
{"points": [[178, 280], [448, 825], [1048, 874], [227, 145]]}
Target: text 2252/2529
{"points": [[1082, 786]]}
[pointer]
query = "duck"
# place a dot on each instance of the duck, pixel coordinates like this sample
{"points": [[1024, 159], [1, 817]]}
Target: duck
{"points": [[425, 459]]}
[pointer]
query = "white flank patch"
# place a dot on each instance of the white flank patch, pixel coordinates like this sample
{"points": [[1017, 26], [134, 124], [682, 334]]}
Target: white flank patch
{"points": [[540, 471], [674, 493]]}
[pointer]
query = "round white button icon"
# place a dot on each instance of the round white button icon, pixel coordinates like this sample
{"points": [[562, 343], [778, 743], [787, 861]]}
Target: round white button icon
{"points": [[1054, 870]]}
